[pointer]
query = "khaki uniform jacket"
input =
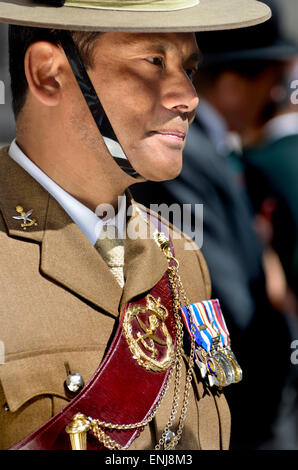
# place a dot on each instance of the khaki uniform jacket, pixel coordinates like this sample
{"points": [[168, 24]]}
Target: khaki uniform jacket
{"points": [[59, 303]]}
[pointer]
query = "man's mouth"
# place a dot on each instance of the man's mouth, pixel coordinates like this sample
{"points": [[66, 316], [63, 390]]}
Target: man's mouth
{"points": [[174, 134]]}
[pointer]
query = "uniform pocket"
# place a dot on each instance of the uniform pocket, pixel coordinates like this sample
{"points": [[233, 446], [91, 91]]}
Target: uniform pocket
{"points": [[32, 390]]}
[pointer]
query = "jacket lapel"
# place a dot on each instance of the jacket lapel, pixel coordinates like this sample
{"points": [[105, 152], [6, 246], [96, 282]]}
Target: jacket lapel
{"points": [[145, 264], [67, 256]]}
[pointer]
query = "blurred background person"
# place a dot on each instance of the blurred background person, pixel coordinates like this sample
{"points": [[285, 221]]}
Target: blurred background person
{"points": [[270, 165], [235, 82], [271, 174]]}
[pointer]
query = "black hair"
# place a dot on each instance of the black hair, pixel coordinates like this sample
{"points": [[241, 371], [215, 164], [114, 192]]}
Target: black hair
{"points": [[21, 37], [208, 74]]}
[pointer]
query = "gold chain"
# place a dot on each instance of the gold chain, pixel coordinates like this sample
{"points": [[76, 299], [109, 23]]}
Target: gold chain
{"points": [[178, 290], [97, 425], [178, 294]]}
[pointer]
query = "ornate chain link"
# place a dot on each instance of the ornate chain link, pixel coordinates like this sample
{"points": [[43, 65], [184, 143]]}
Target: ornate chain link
{"points": [[178, 291], [97, 425], [178, 294]]}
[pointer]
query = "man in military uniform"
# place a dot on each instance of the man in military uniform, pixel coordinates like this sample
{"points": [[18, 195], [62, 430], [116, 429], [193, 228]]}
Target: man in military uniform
{"points": [[70, 302]]}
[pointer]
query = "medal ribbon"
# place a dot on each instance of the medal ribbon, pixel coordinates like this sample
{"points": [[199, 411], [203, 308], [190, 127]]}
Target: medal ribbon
{"points": [[214, 313], [206, 314]]}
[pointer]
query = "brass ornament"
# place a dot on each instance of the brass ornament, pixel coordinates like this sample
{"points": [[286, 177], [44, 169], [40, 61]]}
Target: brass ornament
{"points": [[143, 344], [162, 241], [25, 217], [77, 430]]}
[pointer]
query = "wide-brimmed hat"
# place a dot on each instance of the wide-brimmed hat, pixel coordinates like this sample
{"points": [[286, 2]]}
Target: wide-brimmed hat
{"points": [[265, 42], [134, 15]]}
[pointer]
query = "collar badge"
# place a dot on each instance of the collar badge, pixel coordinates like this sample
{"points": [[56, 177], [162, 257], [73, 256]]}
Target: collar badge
{"points": [[25, 217]]}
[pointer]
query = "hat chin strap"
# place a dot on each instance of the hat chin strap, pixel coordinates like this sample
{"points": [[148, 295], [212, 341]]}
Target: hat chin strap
{"points": [[94, 105]]}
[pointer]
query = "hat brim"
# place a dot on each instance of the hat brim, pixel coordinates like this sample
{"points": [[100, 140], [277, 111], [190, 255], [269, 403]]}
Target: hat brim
{"points": [[208, 15]]}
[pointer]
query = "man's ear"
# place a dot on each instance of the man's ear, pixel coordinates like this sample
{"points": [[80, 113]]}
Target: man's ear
{"points": [[43, 61]]}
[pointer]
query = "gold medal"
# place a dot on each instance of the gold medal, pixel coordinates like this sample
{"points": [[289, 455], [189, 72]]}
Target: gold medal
{"points": [[237, 369], [227, 366], [219, 374]]}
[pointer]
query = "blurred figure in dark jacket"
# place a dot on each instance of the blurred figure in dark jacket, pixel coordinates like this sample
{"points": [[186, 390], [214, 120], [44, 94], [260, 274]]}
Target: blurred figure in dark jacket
{"points": [[228, 108], [271, 174]]}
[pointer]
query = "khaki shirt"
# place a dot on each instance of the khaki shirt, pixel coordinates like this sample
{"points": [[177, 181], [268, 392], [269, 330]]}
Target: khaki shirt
{"points": [[59, 303]]}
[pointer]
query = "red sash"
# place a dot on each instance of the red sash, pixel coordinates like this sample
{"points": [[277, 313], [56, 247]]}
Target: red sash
{"points": [[120, 392]]}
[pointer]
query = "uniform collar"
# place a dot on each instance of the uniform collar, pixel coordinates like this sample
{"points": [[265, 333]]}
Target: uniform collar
{"points": [[225, 141], [87, 220], [66, 256]]}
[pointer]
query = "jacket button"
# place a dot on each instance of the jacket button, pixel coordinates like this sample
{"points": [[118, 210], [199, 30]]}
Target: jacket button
{"points": [[74, 383]]}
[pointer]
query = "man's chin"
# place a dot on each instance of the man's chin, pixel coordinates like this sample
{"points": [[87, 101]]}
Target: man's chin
{"points": [[164, 175], [161, 168]]}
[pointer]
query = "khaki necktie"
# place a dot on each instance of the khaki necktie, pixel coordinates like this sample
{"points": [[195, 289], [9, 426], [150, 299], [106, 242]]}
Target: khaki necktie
{"points": [[111, 248]]}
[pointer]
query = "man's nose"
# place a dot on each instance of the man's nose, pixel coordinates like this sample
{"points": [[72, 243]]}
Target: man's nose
{"points": [[180, 94]]}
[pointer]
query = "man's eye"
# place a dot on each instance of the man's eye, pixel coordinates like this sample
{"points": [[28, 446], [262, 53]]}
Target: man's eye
{"points": [[158, 61]]}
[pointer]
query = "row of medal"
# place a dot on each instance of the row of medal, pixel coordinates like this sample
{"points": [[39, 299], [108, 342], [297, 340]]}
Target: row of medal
{"points": [[213, 355]]}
